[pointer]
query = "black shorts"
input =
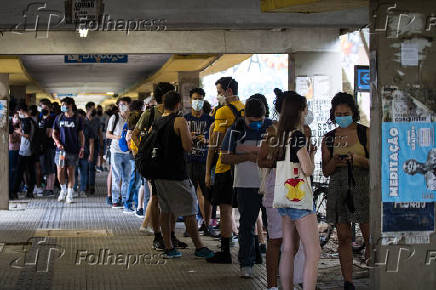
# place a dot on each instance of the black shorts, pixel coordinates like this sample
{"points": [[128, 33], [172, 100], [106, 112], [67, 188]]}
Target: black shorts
{"points": [[153, 188], [48, 165], [197, 173], [223, 188]]}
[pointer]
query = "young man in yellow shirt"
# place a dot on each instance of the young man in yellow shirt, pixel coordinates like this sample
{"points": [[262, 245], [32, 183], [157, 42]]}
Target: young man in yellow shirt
{"points": [[226, 87]]}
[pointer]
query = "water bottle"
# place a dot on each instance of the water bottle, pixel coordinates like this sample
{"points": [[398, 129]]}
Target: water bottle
{"points": [[62, 156]]}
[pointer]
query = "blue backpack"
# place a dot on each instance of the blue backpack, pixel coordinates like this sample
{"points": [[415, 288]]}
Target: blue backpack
{"points": [[123, 142]]}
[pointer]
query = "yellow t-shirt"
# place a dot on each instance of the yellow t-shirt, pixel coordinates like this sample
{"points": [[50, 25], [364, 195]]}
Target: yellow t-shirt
{"points": [[224, 119]]}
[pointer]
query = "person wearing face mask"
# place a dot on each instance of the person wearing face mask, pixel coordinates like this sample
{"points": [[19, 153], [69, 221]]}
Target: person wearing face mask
{"points": [[94, 125], [48, 167], [120, 159], [345, 159], [176, 193], [69, 139], [240, 148], [223, 187], [199, 123], [14, 149], [27, 153]]}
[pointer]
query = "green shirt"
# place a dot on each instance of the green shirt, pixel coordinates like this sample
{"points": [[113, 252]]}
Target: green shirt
{"points": [[143, 122]]}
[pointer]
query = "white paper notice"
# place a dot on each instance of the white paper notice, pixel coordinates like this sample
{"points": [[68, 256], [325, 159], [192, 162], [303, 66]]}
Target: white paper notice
{"points": [[409, 54]]}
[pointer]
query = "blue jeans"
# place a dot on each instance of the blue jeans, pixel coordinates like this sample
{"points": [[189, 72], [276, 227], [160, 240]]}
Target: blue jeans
{"points": [[13, 166], [84, 176], [134, 185], [249, 203], [147, 194], [121, 172]]}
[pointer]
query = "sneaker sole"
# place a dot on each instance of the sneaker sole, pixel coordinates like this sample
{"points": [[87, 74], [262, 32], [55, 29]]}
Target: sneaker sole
{"points": [[139, 216], [127, 212]]}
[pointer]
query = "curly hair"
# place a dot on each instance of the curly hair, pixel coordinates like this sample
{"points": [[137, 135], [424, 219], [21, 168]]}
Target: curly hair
{"points": [[344, 99]]}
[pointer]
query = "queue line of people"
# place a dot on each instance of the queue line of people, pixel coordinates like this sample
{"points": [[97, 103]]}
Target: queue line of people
{"points": [[224, 158]]}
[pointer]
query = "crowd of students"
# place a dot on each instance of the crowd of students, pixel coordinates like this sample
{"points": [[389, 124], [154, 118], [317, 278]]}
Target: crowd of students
{"points": [[223, 158]]}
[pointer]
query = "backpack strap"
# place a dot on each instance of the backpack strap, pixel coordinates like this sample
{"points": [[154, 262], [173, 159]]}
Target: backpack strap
{"points": [[150, 118], [115, 123], [235, 111], [361, 133], [330, 141]]}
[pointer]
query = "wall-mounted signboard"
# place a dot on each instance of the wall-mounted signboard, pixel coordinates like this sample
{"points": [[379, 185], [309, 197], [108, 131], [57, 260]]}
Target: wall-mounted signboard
{"points": [[96, 58]]}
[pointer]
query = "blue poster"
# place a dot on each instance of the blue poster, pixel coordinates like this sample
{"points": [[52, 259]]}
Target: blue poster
{"points": [[408, 216], [408, 162]]}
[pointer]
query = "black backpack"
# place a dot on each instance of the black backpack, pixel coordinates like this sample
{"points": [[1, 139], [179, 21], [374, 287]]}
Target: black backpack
{"points": [[361, 134], [149, 159]]}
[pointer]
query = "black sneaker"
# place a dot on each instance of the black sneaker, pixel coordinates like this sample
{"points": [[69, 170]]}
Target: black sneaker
{"points": [[178, 244], [48, 193], [117, 205], [158, 244], [210, 232], [348, 285], [109, 200], [220, 258], [202, 228]]}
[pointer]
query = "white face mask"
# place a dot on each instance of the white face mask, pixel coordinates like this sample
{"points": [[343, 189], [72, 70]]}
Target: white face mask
{"points": [[21, 116], [15, 120], [123, 108], [309, 118], [39, 109], [197, 105], [221, 99]]}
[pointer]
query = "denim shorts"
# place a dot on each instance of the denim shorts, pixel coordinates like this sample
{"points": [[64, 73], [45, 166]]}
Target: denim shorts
{"points": [[295, 213]]}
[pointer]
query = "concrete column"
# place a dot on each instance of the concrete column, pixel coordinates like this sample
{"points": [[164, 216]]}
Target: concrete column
{"points": [[402, 58], [188, 81], [317, 76], [4, 142], [18, 93]]}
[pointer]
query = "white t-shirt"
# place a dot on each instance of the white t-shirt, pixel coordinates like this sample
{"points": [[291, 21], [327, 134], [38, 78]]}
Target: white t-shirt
{"points": [[115, 147]]}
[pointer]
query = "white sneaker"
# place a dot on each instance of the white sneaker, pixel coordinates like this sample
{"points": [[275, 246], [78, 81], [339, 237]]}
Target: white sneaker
{"points": [[39, 190], [82, 194], [148, 231], [62, 195], [246, 272], [69, 199]]}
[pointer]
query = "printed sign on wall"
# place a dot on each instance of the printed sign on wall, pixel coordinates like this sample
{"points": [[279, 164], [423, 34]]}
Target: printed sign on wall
{"points": [[408, 162]]}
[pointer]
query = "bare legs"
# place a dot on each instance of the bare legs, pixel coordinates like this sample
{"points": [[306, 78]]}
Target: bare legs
{"points": [[305, 229]]}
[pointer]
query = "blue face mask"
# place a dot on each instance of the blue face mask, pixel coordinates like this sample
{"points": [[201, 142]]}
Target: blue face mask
{"points": [[344, 122], [256, 125], [64, 109]]}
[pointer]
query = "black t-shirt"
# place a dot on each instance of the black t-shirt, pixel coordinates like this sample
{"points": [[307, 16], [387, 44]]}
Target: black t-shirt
{"points": [[43, 125], [297, 141]]}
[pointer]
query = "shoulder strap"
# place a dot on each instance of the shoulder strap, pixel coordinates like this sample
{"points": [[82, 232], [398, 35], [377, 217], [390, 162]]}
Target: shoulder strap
{"points": [[361, 133], [115, 123], [235, 111], [150, 118], [330, 141]]}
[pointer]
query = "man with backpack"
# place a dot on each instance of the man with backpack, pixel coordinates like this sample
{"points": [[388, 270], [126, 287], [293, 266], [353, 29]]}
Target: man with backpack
{"points": [[223, 193], [144, 124], [165, 151], [120, 155], [70, 142], [27, 153]]}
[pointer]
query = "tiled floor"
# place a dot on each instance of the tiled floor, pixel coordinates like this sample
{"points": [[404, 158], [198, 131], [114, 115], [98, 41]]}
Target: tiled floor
{"points": [[97, 247]]}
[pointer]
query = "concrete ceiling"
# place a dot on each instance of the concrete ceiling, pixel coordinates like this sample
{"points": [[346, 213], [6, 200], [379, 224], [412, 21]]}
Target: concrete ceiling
{"points": [[56, 77], [197, 14]]}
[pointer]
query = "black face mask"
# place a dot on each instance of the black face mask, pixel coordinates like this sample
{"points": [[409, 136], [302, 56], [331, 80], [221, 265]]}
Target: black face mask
{"points": [[93, 113], [99, 113], [45, 112]]}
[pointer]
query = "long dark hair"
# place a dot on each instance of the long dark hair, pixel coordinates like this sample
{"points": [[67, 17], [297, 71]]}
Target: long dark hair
{"points": [[292, 106]]}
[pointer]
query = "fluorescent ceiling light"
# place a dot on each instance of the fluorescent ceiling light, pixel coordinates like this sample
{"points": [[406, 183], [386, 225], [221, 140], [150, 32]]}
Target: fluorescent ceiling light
{"points": [[110, 93], [83, 32]]}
